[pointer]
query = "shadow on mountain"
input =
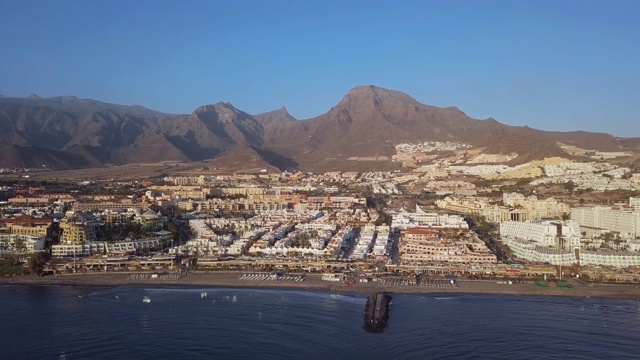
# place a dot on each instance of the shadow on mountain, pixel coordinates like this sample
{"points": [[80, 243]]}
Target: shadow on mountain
{"points": [[277, 160], [191, 149]]}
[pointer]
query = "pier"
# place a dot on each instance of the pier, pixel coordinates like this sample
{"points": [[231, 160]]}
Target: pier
{"points": [[376, 313]]}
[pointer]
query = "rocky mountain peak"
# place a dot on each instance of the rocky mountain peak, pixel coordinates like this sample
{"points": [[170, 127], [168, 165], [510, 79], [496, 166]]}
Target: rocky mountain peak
{"points": [[377, 96], [225, 111]]}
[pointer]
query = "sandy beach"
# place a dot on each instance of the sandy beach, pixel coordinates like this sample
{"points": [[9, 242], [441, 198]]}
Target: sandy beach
{"points": [[314, 283]]}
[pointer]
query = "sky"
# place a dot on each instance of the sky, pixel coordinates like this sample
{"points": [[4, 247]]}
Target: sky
{"points": [[552, 65]]}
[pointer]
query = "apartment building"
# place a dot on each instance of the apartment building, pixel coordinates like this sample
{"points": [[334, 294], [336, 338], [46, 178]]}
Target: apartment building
{"points": [[421, 218], [624, 220], [517, 207], [532, 251], [26, 225], [109, 205], [21, 243], [430, 245], [559, 234], [76, 233]]}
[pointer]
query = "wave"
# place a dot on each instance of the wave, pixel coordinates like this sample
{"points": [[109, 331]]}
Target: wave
{"points": [[349, 299]]}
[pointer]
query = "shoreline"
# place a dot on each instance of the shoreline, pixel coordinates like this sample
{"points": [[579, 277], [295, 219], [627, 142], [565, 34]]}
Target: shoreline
{"points": [[314, 283]]}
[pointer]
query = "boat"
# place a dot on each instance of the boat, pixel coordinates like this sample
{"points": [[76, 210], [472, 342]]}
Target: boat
{"points": [[146, 300], [203, 295], [235, 299], [376, 313]]}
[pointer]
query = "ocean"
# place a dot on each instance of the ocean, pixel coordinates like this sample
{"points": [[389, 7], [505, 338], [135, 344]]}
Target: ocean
{"points": [[64, 322]]}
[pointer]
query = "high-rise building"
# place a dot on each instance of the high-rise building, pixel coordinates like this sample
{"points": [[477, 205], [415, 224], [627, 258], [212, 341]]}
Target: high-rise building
{"points": [[74, 233], [624, 220]]}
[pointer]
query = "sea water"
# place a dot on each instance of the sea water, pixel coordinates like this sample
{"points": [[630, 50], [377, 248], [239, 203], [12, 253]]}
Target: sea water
{"points": [[65, 322]]}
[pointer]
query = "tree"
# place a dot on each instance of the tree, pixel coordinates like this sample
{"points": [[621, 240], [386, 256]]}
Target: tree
{"points": [[565, 216], [38, 261], [303, 237], [383, 219], [19, 245], [570, 186]]}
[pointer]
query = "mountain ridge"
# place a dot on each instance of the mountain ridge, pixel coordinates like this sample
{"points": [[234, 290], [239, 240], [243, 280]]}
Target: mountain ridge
{"points": [[67, 132]]}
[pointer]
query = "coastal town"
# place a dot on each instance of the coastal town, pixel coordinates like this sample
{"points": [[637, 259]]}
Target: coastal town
{"points": [[319, 179], [450, 214]]}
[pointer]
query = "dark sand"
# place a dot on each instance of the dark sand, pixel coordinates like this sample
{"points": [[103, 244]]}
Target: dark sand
{"points": [[313, 282]]}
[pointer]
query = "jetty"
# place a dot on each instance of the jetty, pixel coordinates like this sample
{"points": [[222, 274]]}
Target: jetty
{"points": [[376, 313]]}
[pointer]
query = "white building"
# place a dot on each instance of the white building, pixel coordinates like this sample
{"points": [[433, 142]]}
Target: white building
{"points": [[553, 242], [77, 249], [21, 243], [404, 220], [541, 242], [563, 234], [610, 258], [530, 250], [130, 246], [621, 219]]}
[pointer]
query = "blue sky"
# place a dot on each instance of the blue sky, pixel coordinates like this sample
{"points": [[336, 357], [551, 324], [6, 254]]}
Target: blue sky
{"points": [[552, 65]]}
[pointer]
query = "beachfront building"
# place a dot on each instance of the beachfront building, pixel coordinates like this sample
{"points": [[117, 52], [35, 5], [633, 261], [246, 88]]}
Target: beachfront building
{"points": [[77, 239], [132, 246], [532, 251], [558, 243], [619, 259], [560, 234], [21, 243], [552, 242], [623, 220], [438, 245]]}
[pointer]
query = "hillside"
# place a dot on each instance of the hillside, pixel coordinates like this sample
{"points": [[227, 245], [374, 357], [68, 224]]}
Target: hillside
{"points": [[358, 134]]}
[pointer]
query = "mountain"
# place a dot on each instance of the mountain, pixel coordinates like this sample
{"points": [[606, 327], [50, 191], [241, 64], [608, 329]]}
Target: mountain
{"points": [[359, 133], [369, 121], [99, 133]]}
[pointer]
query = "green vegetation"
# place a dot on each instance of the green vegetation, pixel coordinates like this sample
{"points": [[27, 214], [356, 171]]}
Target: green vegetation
{"points": [[303, 240], [37, 262], [484, 227], [174, 229], [113, 232], [20, 245], [553, 285], [10, 267], [383, 219], [570, 186], [377, 201]]}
